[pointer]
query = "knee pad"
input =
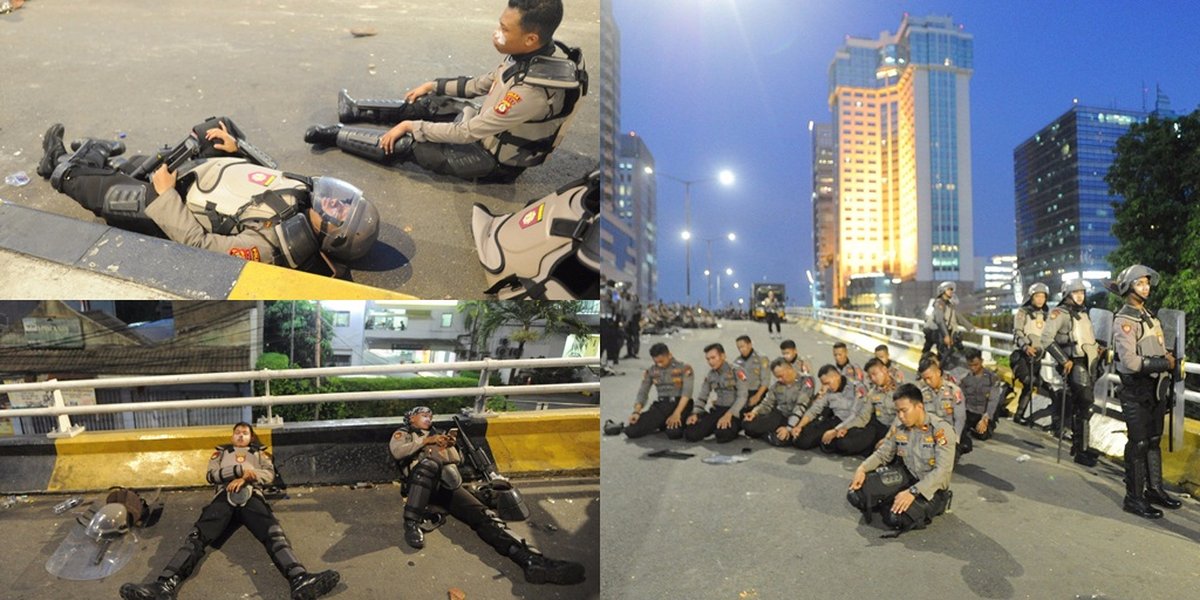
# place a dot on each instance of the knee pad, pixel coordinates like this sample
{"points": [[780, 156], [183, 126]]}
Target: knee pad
{"points": [[125, 200], [424, 473], [282, 553], [451, 478]]}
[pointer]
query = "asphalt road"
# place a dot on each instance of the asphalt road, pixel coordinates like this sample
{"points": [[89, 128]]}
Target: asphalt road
{"points": [[151, 71], [779, 526], [357, 532]]}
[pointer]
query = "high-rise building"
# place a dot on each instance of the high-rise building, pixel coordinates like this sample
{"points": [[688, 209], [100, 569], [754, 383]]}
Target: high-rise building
{"points": [[997, 285], [824, 211], [636, 194], [610, 98], [902, 138], [1064, 212]]}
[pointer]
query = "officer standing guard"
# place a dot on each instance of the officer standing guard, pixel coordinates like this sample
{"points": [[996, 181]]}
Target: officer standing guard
{"points": [[755, 366], [1145, 368], [944, 399], [782, 408], [921, 490], [1026, 360], [528, 101], [1069, 339], [238, 470], [429, 463], [837, 419], [673, 384], [939, 320], [879, 393], [770, 306], [721, 414]]}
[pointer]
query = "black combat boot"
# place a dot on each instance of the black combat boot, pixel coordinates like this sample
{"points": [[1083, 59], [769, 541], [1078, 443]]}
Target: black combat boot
{"points": [[163, 589], [89, 153], [322, 135], [111, 147], [307, 586], [539, 569], [1155, 494], [1135, 483], [52, 150], [413, 536]]}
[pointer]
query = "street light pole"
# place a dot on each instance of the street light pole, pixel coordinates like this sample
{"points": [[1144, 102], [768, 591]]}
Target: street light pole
{"points": [[725, 178]]}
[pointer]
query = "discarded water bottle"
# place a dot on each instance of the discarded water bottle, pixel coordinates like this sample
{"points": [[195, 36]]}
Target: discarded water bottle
{"points": [[724, 459], [17, 179], [67, 504], [1023, 458]]}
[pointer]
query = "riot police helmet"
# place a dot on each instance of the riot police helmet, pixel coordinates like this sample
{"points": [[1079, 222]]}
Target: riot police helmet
{"points": [[349, 222], [110, 522], [946, 285], [1037, 288], [1073, 285], [1133, 273]]}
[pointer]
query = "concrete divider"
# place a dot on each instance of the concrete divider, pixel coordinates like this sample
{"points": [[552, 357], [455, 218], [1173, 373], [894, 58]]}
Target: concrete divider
{"points": [[94, 250], [330, 452]]}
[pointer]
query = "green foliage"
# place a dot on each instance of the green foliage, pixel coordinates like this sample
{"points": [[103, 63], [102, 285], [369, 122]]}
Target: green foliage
{"points": [[485, 318], [1157, 171], [377, 408], [291, 326]]}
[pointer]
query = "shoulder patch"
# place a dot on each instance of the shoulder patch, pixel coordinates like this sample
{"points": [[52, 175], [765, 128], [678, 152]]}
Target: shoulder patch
{"points": [[510, 99], [398, 434], [215, 454], [1126, 328], [741, 374], [688, 370], [250, 253], [940, 437], [1054, 313]]}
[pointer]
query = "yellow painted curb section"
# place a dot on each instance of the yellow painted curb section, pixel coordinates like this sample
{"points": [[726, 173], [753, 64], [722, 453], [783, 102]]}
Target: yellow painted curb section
{"points": [[269, 282], [166, 457], [1182, 466], [554, 440]]}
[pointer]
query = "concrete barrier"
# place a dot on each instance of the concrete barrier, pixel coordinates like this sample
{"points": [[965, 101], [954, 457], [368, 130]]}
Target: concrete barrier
{"points": [[331, 452]]}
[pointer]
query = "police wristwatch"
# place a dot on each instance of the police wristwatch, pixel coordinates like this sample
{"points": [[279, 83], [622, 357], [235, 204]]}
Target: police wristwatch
{"points": [[913, 490]]}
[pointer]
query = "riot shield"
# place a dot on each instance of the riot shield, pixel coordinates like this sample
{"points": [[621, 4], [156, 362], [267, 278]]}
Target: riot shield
{"points": [[1102, 323], [1173, 322], [80, 558]]}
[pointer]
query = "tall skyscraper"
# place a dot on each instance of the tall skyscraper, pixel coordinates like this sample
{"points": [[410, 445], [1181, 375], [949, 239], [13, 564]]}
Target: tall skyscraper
{"points": [[1064, 211], [824, 210], [636, 194], [902, 136], [610, 98]]}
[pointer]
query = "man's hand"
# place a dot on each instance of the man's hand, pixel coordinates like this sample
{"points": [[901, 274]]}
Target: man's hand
{"points": [[235, 485], [425, 88], [726, 421], [1067, 367], [783, 433], [1031, 351], [947, 340], [163, 180], [1170, 361], [692, 419], [634, 417], [903, 501], [859, 477], [674, 421], [982, 427], [829, 436], [388, 141], [433, 439], [228, 142], [248, 473], [796, 430], [750, 416]]}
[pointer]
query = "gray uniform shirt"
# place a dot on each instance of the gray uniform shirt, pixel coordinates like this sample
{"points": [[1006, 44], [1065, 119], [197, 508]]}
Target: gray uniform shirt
{"points": [[1136, 335], [882, 404], [849, 371], [673, 382], [946, 403], [229, 462], [1028, 325], [790, 400], [729, 383], [1071, 331], [927, 451], [408, 446], [757, 370], [849, 404], [977, 391]]}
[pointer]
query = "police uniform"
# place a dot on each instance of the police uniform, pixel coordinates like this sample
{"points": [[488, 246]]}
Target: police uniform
{"points": [[849, 371], [883, 409], [1068, 335], [948, 404], [771, 310], [895, 372], [927, 455], [1145, 377], [1028, 325], [226, 464], [758, 372], [844, 408], [981, 397], [729, 384], [671, 383], [528, 100], [939, 324], [782, 405]]}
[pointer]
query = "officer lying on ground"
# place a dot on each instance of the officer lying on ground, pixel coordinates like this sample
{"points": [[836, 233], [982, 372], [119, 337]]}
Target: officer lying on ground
{"points": [[530, 98], [237, 470], [913, 490], [225, 200], [429, 464]]}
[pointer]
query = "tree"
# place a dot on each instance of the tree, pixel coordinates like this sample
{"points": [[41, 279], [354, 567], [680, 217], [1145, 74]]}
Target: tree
{"points": [[1157, 171], [485, 318], [290, 329]]}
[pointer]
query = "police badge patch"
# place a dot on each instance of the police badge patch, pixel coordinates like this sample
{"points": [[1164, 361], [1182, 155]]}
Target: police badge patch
{"points": [[250, 253], [507, 103]]}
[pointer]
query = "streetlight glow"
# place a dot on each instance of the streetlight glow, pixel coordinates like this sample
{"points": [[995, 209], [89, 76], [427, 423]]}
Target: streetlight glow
{"points": [[648, 170], [729, 271], [706, 273], [726, 177], [736, 285], [687, 235], [732, 236]]}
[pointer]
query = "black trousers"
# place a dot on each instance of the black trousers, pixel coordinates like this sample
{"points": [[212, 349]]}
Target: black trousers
{"points": [[215, 523], [1026, 370], [764, 426], [88, 185], [707, 425], [773, 321], [878, 429], [633, 340], [973, 419], [654, 419], [856, 441], [919, 514], [464, 506]]}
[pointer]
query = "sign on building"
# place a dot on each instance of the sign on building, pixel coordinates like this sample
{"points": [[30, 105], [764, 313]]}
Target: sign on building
{"points": [[53, 332]]}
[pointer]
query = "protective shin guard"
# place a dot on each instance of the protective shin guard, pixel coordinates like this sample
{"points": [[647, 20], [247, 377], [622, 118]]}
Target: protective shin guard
{"points": [[282, 554], [1135, 481], [364, 142], [185, 559], [379, 112], [1155, 494]]}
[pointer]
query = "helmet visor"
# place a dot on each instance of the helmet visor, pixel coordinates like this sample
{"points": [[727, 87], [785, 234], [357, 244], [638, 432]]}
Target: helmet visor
{"points": [[334, 200]]}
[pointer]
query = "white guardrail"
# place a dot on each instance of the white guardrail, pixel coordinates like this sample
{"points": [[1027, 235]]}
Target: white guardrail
{"points": [[480, 392]]}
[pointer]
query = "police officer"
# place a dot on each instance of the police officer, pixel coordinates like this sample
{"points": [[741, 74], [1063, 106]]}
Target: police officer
{"points": [[787, 350], [925, 445], [884, 355], [632, 313], [1069, 339], [981, 393], [757, 371], [944, 400], [238, 470], [770, 306], [940, 319], [722, 414], [837, 419], [879, 393], [841, 359], [528, 101], [782, 408], [225, 201], [673, 382], [1145, 366], [430, 469], [1026, 360]]}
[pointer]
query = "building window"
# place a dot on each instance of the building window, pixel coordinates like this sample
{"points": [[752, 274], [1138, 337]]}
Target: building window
{"points": [[447, 319], [341, 318]]}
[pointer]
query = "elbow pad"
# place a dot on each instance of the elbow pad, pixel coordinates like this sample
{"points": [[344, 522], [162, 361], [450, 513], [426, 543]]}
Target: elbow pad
{"points": [[1056, 351], [1156, 364]]}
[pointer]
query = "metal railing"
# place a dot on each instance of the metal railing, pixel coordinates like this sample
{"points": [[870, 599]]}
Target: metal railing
{"points": [[481, 392]]}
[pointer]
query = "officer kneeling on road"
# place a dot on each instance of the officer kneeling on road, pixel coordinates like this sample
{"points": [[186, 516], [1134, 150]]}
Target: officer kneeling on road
{"points": [[783, 407], [839, 417], [722, 415], [429, 463], [222, 197], [237, 470], [672, 381], [912, 491]]}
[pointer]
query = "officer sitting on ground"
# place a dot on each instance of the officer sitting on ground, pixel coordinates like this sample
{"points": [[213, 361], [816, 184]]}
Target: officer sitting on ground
{"points": [[783, 406], [429, 463], [838, 418], [755, 366], [883, 354], [879, 392], [918, 485], [720, 415], [673, 382], [944, 399], [225, 200], [529, 100], [841, 360], [238, 470], [982, 391]]}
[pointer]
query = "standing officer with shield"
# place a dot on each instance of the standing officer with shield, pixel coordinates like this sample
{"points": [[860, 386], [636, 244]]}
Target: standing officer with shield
{"points": [[1069, 338]]}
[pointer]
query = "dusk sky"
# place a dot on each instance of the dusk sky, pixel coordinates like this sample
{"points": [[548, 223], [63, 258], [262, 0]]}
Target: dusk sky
{"points": [[727, 84]]}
